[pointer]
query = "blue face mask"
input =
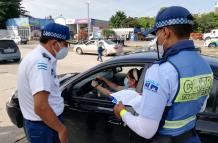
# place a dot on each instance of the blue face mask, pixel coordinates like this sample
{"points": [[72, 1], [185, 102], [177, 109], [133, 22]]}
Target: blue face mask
{"points": [[62, 53], [126, 86]]}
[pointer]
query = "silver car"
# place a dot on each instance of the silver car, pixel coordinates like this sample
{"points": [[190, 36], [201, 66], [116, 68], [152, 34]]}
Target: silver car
{"points": [[92, 47], [9, 51]]}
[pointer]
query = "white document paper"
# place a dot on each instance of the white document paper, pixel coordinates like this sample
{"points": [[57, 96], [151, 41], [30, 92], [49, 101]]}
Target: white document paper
{"points": [[129, 97]]}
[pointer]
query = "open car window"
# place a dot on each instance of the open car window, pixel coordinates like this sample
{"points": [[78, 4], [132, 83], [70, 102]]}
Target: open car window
{"points": [[83, 89], [212, 102], [90, 43]]}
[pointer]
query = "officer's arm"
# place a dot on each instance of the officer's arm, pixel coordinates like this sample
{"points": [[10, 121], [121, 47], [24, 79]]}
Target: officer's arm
{"points": [[161, 83], [144, 127], [45, 112]]}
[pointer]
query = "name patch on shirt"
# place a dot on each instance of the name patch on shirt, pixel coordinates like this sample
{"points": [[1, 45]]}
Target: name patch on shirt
{"points": [[42, 66], [151, 85]]}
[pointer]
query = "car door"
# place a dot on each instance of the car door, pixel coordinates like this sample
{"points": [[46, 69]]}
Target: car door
{"points": [[89, 118], [91, 47], [207, 123]]}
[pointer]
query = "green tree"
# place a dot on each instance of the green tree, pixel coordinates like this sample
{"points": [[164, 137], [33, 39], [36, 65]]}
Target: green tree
{"points": [[146, 22], [116, 20], [10, 9], [130, 22], [143, 22], [206, 22], [107, 33]]}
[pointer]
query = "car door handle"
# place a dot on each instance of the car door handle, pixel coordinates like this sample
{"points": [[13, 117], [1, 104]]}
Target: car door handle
{"points": [[115, 122]]}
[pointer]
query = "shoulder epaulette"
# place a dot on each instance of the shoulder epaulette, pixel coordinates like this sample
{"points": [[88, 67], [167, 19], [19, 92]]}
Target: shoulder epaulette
{"points": [[46, 56]]}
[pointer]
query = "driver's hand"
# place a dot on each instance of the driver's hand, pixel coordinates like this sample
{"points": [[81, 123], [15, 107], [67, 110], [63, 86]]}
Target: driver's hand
{"points": [[94, 83]]}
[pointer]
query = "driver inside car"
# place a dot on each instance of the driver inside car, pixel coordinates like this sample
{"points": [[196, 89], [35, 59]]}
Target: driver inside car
{"points": [[130, 82]]}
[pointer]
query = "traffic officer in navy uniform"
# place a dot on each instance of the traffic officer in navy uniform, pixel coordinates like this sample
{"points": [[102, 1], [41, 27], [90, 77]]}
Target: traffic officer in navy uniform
{"points": [[38, 87], [176, 87]]}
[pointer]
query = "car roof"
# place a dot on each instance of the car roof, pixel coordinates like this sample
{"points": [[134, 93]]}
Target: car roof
{"points": [[6, 40], [152, 56], [145, 56], [213, 61]]}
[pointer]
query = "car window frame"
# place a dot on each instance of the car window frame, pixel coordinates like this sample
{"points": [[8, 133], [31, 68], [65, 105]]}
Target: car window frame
{"points": [[215, 102], [94, 71]]}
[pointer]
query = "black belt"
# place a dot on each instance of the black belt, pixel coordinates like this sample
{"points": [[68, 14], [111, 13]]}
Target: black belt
{"points": [[174, 139]]}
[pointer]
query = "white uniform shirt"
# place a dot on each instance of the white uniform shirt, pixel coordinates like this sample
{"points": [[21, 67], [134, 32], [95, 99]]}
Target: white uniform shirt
{"points": [[38, 73], [160, 87]]}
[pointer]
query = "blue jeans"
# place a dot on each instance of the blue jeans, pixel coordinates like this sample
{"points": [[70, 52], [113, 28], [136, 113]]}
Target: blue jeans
{"points": [[99, 57], [39, 132]]}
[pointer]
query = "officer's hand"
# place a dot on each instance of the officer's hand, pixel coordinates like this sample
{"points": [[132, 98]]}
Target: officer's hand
{"points": [[63, 135], [94, 83], [118, 108]]}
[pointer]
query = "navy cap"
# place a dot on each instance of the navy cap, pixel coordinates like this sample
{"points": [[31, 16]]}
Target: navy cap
{"points": [[56, 31], [174, 15]]}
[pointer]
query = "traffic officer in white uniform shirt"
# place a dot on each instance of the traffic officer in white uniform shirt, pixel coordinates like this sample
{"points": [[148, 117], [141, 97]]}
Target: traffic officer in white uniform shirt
{"points": [[176, 87], [38, 87]]}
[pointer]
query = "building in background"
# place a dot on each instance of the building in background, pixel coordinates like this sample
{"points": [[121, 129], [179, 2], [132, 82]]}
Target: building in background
{"points": [[27, 27], [76, 24]]}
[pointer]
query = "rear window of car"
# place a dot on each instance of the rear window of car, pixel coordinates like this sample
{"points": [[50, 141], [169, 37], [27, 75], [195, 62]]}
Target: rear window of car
{"points": [[4, 44], [109, 42]]}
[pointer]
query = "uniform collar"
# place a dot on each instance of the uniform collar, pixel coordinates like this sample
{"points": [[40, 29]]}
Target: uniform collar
{"points": [[184, 45], [44, 50], [179, 46]]}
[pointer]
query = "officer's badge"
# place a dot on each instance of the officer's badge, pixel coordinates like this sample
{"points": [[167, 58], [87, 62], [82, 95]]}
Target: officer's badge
{"points": [[151, 85]]}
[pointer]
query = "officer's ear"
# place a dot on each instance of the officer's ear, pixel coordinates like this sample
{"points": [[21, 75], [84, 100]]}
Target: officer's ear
{"points": [[167, 32]]}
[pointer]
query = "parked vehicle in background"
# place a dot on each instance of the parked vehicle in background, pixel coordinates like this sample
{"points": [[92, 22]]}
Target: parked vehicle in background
{"points": [[9, 51], [23, 40], [15, 38], [196, 36], [211, 43], [212, 34], [118, 41], [92, 46], [149, 37]]}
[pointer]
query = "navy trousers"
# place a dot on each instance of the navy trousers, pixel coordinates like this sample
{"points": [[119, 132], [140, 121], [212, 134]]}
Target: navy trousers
{"points": [[188, 137], [39, 132]]}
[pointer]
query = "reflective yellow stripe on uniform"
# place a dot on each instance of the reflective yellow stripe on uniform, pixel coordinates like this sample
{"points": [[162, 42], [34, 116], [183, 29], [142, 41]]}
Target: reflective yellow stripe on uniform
{"points": [[192, 88], [178, 124]]}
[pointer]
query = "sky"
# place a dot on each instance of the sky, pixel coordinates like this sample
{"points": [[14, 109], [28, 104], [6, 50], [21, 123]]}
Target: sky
{"points": [[104, 9]]}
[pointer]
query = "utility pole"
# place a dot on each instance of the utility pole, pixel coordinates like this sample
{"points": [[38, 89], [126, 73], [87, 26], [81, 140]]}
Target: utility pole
{"points": [[88, 3]]}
